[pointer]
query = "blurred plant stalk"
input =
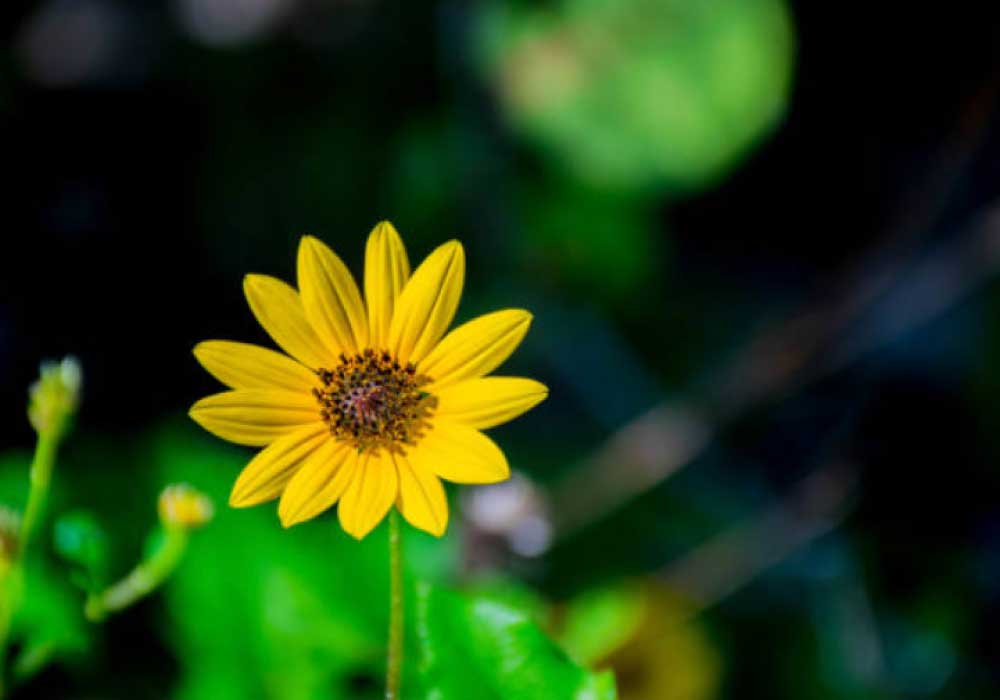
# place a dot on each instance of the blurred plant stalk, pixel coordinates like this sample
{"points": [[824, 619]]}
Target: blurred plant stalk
{"points": [[818, 340], [901, 277], [182, 509], [142, 580], [394, 661], [52, 403]]}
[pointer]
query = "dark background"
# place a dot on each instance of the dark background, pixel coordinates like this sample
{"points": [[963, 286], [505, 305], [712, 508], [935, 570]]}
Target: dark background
{"points": [[826, 302]]}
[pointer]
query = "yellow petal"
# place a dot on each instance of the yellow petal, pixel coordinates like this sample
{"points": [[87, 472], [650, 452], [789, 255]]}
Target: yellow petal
{"points": [[421, 497], [486, 402], [428, 303], [266, 475], [331, 298], [246, 366], [386, 271], [369, 496], [255, 417], [476, 348], [279, 311], [318, 484], [458, 453]]}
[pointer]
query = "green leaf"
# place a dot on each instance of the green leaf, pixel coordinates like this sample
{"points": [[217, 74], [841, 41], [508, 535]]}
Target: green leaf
{"points": [[49, 623], [599, 621], [474, 646], [636, 95], [80, 539]]}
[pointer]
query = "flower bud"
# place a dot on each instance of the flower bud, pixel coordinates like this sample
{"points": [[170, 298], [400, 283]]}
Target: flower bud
{"points": [[54, 397], [184, 506]]}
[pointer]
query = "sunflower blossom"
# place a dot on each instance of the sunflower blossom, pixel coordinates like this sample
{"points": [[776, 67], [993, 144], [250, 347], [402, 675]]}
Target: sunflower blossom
{"points": [[374, 404]]}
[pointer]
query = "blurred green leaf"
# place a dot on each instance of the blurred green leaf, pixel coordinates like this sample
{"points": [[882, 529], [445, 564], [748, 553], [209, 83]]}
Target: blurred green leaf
{"points": [[650, 93], [649, 635], [474, 646], [80, 539], [512, 594], [599, 621], [49, 623], [14, 478]]}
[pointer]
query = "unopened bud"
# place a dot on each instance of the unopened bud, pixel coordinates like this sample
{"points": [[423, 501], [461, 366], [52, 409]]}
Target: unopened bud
{"points": [[54, 397], [184, 506]]}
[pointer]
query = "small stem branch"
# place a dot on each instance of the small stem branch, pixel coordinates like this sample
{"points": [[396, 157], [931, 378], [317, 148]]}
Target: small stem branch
{"points": [[12, 584], [395, 657], [142, 580], [38, 493]]}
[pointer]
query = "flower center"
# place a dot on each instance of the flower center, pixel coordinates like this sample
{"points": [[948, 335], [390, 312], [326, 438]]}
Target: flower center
{"points": [[371, 400]]}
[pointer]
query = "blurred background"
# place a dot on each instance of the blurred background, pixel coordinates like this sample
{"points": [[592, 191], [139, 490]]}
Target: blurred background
{"points": [[760, 239]]}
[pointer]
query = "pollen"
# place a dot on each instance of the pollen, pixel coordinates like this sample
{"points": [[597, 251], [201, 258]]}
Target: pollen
{"points": [[372, 400]]}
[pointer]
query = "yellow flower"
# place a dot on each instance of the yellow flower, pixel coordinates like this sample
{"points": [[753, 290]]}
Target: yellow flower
{"points": [[376, 404]]}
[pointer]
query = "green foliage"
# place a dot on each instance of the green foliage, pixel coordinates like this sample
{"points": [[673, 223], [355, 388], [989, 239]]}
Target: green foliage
{"points": [[80, 539], [590, 240], [256, 611], [260, 612], [651, 93], [599, 621], [49, 622], [476, 646], [14, 478]]}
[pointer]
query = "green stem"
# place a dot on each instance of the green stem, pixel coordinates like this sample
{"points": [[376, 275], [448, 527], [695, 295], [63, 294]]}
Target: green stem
{"points": [[395, 660], [38, 493], [40, 477], [142, 580]]}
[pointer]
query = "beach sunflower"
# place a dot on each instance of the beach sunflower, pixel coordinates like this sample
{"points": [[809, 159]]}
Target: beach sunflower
{"points": [[374, 404]]}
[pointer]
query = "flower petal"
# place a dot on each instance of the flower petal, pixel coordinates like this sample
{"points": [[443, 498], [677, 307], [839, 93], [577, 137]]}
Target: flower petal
{"points": [[279, 311], [246, 366], [486, 402], [421, 497], [255, 417], [476, 348], [318, 484], [331, 298], [387, 270], [269, 471], [460, 454], [370, 495], [428, 303]]}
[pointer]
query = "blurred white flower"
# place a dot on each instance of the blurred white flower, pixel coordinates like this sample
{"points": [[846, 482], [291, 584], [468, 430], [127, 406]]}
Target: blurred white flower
{"points": [[68, 42], [230, 22], [514, 510]]}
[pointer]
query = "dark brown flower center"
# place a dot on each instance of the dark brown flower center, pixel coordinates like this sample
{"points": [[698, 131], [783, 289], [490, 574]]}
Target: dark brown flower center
{"points": [[372, 400]]}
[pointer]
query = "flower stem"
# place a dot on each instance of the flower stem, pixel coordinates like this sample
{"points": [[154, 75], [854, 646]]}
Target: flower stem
{"points": [[12, 584], [38, 493], [142, 580], [395, 659]]}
